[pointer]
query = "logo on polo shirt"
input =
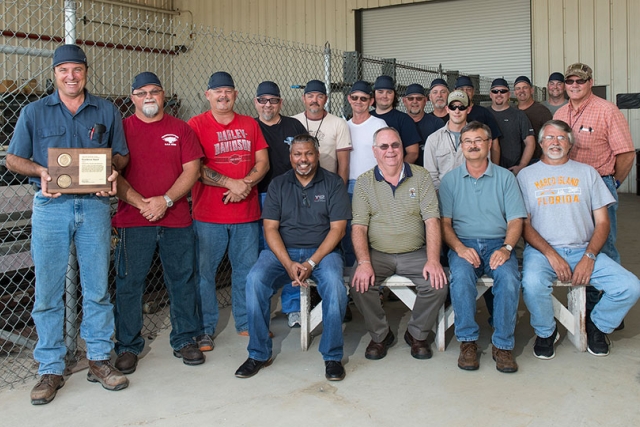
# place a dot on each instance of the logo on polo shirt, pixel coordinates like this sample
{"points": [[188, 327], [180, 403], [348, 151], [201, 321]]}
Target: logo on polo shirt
{"points": [[170, 140], [412, 193], [319, 198]]}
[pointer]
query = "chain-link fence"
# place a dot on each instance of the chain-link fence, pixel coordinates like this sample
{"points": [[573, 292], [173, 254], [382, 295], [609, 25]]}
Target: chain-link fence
{"points": [[121, 42]]}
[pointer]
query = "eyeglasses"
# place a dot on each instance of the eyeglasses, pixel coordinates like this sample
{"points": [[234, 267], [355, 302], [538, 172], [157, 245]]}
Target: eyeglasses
{"points": [[457, 107], [385, 147], [560, 138], [355, 98], [273, 101], [477, 141], [154, 92], [502, 91], [414, 98], [569, 82], [305, 200]]}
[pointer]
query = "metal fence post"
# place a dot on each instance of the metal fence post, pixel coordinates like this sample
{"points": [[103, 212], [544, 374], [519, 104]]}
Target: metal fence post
{"points": [[327, 73]]}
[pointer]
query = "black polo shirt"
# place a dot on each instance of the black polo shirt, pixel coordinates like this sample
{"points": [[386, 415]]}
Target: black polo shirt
{"points": [[305, 213]]}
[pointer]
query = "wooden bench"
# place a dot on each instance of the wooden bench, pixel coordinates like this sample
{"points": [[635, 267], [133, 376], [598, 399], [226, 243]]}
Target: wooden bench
{"points": [[572, 317]]}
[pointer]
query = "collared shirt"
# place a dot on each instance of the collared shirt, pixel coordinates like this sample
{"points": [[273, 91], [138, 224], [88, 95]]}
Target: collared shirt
{"points": [[395, 215], [49, 123], [306, 213], [442, 154], [601, 133], [481, 208]]}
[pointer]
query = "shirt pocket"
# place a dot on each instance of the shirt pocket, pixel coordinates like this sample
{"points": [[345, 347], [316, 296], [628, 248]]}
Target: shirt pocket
{"points": [[89, 137], [53, 136]]}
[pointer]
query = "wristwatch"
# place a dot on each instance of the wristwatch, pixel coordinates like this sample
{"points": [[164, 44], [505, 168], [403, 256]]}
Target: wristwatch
{"points": [[508, 247], [590, 255], [168, 200], [311, 263]]}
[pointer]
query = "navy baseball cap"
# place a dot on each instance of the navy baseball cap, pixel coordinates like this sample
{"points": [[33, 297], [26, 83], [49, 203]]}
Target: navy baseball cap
{"points": [[69, 53], [361, 86], [145, 78], [414, 88], [463, 81], [499, 82], [522, 79], [438, 82], [220, 79], [268, 88], [556, 77], [315, 86], [384, 82]]}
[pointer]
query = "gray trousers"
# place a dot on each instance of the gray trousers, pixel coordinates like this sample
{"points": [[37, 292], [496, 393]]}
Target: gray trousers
{"points": [[428, 299]]}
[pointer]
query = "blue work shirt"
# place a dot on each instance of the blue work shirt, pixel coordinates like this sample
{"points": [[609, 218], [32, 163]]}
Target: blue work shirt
{"points": [[481, 208], [49, 123]]}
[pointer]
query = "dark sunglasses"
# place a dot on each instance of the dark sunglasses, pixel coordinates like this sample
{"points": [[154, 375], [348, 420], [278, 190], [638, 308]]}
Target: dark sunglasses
{"points": [[503, 91], [355, 98], [274, 101], [457, 107], [414, 98], [569, 82], [385, 147]]}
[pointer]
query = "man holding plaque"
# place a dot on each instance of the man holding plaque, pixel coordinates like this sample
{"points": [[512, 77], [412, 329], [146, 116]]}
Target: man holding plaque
{"points": [[68, 118], [154, 213]]}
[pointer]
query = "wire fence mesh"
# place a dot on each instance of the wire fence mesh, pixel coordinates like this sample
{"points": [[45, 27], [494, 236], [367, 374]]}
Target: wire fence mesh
{"points": [[120, 42]]}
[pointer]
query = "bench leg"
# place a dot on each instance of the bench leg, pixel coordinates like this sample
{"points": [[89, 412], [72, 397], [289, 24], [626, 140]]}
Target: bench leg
{"points": [[576, 302], [305, 327]]}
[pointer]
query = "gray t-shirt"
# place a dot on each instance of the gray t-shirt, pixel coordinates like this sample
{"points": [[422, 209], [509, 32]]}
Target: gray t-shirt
{"points": [[560, 201], [553, 108]]}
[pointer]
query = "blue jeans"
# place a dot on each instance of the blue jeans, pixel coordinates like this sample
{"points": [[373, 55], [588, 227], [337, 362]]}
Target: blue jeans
{"points": [[268, 274], [290, 296], [505, 290], [212, 241], [621, 289], [56, 223], [133, 258]]}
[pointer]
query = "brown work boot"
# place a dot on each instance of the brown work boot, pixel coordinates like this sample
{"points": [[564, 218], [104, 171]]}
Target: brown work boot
{"points": [[45, 389], [378, 350], [103, 372], [504, 360], [468, 359], [419, 348], [127, 362]]}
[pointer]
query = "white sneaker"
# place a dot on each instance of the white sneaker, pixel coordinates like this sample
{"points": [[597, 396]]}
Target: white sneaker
{"points": [[294, 319]]}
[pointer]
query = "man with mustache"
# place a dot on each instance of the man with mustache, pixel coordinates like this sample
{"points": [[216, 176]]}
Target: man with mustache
{"points": [[554, 189], [154, 213], [414, 102], [305, 215], [438, 94], [482, 215], [225, 201]]}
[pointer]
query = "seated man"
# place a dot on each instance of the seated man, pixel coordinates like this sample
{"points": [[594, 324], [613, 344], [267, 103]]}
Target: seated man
{"points": [[482, 215], [305, 215], [567, 226], [395, 212]]}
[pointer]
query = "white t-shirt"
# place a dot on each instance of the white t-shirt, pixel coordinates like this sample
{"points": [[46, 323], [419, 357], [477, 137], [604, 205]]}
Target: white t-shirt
{"points": [[332, 133], [362, 158]]}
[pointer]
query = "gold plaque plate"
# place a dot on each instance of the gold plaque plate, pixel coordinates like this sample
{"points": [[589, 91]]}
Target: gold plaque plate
{"points": [[79, 170]]}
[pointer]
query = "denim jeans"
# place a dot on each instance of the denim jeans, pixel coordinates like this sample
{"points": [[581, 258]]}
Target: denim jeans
{"points": [[621, 289], [290, 296], [268, 274], [212, 241], [133, 258], [56, 223], [505, 289]]}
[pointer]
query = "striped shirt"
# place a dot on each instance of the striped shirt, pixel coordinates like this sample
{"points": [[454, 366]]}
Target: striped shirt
{"points": [[395, 215], [601, 133]]}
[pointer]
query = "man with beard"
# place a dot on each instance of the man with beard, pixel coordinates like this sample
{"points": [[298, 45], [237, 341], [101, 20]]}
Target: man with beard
{"points": [[305, 215], [438, 95], [414, 102], [155, 213], [555, 92], [554, 189], [225, 201], [278, 131]]}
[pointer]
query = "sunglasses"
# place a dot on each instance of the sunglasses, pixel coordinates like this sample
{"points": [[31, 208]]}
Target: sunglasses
{"points": [[154, 92], [273, 101], [503, 91], [414, 98], [569, 82], [385, 147], [355, 98], [457, 107]]}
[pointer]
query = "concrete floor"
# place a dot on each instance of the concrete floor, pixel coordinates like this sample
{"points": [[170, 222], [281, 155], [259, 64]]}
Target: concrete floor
{"points": [[574, 389]]}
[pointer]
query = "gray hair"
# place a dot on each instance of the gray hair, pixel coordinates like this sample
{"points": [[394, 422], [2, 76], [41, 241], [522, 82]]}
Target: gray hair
{"points": [[375, 135], [561, 126], [304, 138]]}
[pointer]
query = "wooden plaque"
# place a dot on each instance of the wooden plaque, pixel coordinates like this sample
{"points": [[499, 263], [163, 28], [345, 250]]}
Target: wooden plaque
{"points": [[79, 170]]}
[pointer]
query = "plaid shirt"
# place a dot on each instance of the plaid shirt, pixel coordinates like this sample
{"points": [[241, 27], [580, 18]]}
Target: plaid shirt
{"points": [[601, 133]]}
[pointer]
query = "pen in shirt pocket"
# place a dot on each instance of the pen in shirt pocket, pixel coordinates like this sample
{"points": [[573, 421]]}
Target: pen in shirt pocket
{"points": [[585, 129]]}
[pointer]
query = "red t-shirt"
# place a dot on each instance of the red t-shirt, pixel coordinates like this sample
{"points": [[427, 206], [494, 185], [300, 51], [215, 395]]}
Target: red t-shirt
{"points": [[229, 150], [158, 150]]}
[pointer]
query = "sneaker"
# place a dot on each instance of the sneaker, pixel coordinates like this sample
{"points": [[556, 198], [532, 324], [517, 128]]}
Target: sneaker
{"points": [[597, 341], [205, 342], [45, 389], [293, 319], [103, 372], [543, 348], [504, 360]]}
